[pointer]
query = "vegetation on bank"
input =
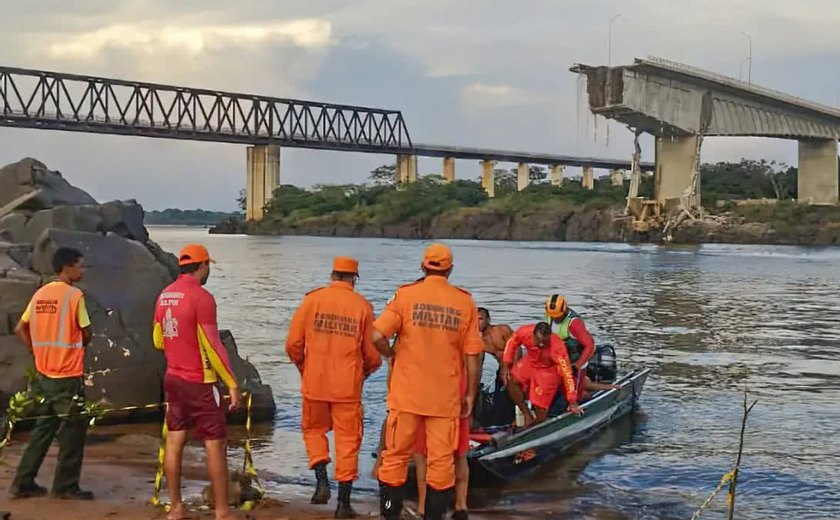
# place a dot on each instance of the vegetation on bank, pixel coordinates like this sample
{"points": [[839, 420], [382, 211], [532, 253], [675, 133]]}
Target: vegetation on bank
{"points": [[383, 201], [187, 217]]}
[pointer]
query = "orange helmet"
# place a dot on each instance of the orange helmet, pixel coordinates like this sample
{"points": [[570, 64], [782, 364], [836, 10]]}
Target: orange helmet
{"points": [[555, 306]]}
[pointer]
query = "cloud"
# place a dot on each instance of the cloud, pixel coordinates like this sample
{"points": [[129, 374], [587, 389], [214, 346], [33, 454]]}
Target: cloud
{"points": [[480, 95], [150, 40], [494, 77]]}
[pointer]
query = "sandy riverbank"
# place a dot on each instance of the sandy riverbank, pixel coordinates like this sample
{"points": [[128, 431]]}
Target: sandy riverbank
{"points": [[120, 469]]}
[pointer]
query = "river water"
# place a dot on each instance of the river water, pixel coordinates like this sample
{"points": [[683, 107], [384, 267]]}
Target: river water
{"points": [[709, 321]]}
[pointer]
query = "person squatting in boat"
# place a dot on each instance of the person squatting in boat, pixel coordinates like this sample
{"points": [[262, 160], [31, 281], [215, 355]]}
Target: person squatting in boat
{"points": [[541, 371]]}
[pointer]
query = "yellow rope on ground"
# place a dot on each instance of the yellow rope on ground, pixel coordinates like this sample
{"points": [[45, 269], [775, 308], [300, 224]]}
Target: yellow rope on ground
{"points": [[17, 404], [248, 465], [723, 481], [159, 474]]}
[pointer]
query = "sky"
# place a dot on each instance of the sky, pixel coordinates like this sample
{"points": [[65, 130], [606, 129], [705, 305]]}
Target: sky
{"points": [[487, 73]]}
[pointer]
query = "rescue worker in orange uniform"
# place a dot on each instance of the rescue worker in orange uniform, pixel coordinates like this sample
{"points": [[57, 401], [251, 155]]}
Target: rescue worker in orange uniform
{"points": [[330, 341], [56, 327], [438, 336], [540, 372], [186, 329], [462, 466]]}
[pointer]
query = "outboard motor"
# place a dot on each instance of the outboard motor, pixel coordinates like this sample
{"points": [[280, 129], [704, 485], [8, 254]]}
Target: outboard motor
{"points": [[603, 367]]}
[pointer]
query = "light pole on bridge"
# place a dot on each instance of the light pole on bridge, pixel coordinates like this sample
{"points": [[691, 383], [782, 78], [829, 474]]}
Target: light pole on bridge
{"points": [[749, 57], [609, 40]]}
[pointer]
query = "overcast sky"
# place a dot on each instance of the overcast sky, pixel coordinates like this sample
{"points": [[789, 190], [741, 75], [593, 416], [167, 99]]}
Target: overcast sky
{"points": [[464, 72]]}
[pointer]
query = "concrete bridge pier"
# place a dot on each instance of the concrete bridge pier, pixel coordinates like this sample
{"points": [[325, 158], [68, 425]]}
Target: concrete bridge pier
{"points": [[523, 178], [817, 179], [406, 168], [676, 159], [262, 177], [588, 180], [617, 177], [449, 169], [488, 178], [556, 175]]}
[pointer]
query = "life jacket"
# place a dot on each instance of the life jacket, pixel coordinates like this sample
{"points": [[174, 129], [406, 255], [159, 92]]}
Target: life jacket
{"points": [[56, 337], [562, 330]]}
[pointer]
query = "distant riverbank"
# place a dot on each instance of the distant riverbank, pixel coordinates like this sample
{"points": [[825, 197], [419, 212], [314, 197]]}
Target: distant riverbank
{"points": [[432, 208], [781, 224], [186, 217]]}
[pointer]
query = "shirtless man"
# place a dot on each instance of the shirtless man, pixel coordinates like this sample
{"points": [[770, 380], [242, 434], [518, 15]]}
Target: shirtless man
{"points": [[495, 336]]}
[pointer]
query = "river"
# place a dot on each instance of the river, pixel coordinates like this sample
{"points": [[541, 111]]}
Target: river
{"points": [[708, 320]]}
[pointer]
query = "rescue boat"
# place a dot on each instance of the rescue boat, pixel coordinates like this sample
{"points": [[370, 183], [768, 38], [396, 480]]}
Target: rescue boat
{"points": [[505, 455]]}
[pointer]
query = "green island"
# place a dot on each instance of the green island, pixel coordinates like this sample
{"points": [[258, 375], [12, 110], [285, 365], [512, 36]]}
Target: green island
{"points": [[186, 217], [745, 202]]}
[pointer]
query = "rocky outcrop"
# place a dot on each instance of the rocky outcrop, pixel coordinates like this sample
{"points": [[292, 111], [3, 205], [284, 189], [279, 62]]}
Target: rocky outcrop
{"points": [[30, 175], [126, 271]]}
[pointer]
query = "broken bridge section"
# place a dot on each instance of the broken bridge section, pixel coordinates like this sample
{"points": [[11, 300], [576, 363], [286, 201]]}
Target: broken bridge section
{"points": [[681, 104]]}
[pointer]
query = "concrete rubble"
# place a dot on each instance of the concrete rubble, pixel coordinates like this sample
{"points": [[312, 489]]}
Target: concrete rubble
{"points": [[126, 272]]}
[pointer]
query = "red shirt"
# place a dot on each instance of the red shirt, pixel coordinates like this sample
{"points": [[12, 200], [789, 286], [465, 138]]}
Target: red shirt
{"points": [[185, 329]]}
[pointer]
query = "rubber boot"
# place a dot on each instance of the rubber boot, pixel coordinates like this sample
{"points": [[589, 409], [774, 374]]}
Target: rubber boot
{"points": [[390, 501], [344, 509], [436, 503], [322, 485]]}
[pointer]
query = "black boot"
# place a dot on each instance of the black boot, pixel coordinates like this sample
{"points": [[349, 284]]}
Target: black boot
{"points": [[436, 503], [322, 486], [390, 501], [344, 509]]}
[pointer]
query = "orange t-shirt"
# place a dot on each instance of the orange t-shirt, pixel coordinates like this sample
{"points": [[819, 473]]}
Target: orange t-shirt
{"points": [[437, 324], [330, 340]]}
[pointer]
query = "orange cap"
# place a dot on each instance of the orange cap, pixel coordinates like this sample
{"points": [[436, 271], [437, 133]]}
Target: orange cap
{"points": [[194, 254], [345, 264], [438, 257]]}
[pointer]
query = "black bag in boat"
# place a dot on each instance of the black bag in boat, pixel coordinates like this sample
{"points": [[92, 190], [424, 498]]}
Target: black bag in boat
{"points": [[494, 407]]}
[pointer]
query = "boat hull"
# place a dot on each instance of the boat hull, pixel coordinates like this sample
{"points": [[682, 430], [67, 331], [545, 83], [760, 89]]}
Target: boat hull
{"points": [[513, 457]]}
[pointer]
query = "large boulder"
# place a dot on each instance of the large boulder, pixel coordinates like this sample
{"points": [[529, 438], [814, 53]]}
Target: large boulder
{"points": [[78, 218], [29, 175], [126, 272], [262, 404], [15, 361], [11, 226], [121, 274], [14, 297], [124, 218]]}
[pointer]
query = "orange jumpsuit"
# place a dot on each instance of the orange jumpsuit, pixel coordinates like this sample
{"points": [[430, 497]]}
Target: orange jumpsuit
{"points": [[437, 325], [542, 370], [330, 342]]}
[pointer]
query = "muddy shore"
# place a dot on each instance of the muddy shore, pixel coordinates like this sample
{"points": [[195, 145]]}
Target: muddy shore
{"points": [[120, 466]]}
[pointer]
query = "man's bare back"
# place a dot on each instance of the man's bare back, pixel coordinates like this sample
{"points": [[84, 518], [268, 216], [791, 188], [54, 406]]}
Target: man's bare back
{"points": [[495, 337]]}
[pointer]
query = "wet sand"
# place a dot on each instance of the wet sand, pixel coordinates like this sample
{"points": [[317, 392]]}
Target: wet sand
{"points": [[120, 469]]}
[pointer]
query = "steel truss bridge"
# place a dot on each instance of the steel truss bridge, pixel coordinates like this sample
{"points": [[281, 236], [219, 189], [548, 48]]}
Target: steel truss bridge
{"points": [[70, 102]]}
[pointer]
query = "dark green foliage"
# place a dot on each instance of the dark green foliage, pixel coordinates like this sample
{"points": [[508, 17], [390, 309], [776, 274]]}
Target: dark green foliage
{"points": [[186, 217], [747, 179], [385, 202]]}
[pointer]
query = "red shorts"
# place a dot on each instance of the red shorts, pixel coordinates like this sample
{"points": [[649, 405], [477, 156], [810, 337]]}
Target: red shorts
{"points": [[461, 448], [540, 385], [195, 406]]}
